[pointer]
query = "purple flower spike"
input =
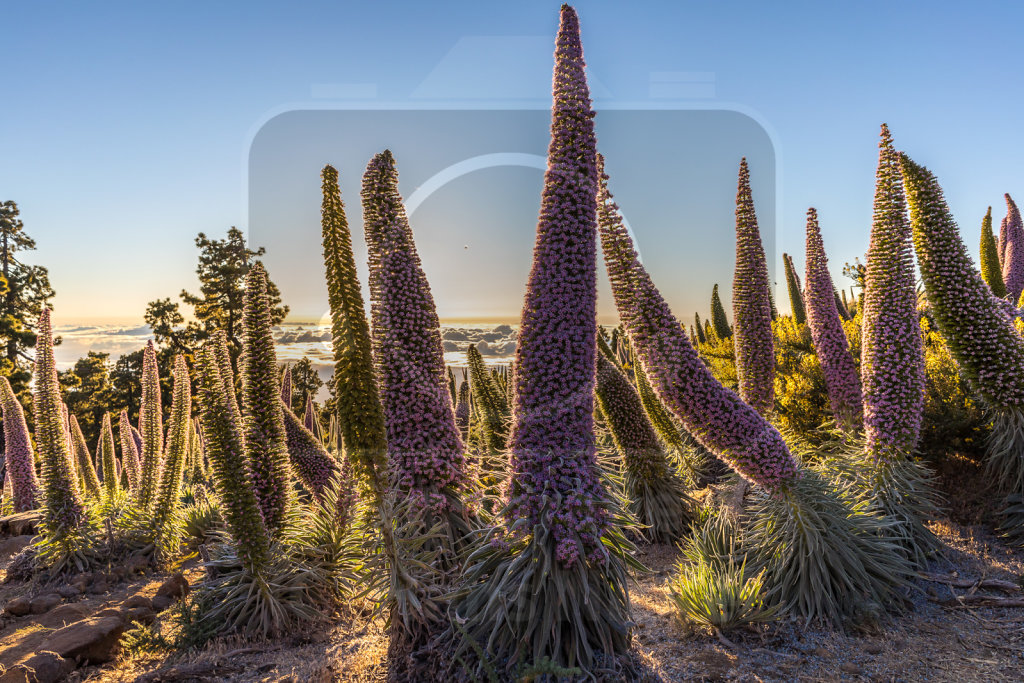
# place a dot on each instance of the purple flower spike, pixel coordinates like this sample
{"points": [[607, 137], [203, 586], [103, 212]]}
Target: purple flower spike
{"points": [[715, 416], [64, 510], [129, 452], [151, 427], [973, 322], [424, 446], [892, 358], [1013, 251], [841, 376], [552, 441], [21, 471], [751, 306], [263, 424]]}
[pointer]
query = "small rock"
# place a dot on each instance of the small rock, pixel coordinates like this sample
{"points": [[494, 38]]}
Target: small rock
{"points": [[18, 607], [12, 546], [161, 602], [63, 615], [22, 523], [137, 564], [95, 640], [850, 668], [174, 587], [68, 591], [81, 582], [19, 673], [108, 612], [143, 615], [41, 604], [48, 667], [98, 587], [822, 652], [137, 601], [873, 648]]}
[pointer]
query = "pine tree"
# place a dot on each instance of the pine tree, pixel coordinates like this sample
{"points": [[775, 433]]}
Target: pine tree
{"points": [[24, 292]]}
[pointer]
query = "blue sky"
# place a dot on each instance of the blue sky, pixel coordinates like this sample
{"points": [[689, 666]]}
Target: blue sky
{"points": [[127, 128]]}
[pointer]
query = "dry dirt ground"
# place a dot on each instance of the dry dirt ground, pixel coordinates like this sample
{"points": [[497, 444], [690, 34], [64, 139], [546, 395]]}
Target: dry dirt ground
{"points": [[943, 636]]}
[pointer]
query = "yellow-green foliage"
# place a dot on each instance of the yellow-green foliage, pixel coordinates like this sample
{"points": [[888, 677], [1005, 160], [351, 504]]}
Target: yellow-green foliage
{"points": [[801, 396], [953, 421], [720, 357]]}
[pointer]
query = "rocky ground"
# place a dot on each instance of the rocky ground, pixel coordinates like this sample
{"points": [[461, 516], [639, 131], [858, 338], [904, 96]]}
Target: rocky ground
{"points": [[965, 623]]}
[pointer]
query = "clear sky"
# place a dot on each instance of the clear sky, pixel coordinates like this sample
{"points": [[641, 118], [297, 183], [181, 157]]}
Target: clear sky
{"points": [[129, 127]]}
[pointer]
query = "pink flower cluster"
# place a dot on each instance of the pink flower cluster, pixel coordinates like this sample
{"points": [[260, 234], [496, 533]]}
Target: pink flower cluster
{"points": [[714, 415], [312, 463], [21, 469], [424, 446], [841, 376], [1012, 241], [976, 326], [892, 357], [751, 306], [554, 465]]}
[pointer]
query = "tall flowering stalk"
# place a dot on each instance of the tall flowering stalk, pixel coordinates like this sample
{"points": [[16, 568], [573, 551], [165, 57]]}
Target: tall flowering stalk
{"points": [[796, 297], [657, 494], [424, 446], [719, 321], [699, 329], [991, 271], [892, 357], [841, 376], [719, 419], [490, 401], [21, 471], [88, 481], [553, 451], [166, 502], [222, 436], [1013, 251], [263, 424], [462, 409], [286, 386], [151, 427], [360, 415], [129, 452], [309, 419], [975, 325], [801, 530], [313, 465], [64, 512], [108, 460], [558, 545], [751, 306]]}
